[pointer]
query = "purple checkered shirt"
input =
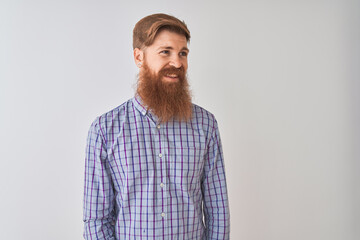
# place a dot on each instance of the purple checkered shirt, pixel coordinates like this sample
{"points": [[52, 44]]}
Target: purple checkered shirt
{"points": [[145, 180]]}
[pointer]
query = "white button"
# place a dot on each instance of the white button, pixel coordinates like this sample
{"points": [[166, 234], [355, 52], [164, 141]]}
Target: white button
{"points": [[162, 185], [158, 126], [160, 155], [163, 214]]}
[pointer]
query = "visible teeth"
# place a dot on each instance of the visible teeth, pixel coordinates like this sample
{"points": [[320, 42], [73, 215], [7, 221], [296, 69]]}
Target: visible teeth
{"points": [[172, 75]]}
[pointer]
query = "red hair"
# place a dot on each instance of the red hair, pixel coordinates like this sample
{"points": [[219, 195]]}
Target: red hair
{"points": [[147, 28]]}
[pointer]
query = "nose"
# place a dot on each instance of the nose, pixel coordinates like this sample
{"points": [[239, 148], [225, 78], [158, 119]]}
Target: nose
{"points": [[175, 62]]}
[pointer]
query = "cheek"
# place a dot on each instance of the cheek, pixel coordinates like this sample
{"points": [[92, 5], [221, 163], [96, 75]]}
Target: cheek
{"points": [[158, 65], [185, 63], [155, 63], [185, 66]]}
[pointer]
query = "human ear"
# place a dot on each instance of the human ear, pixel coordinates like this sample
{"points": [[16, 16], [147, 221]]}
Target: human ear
{"points": [[138, 57]]}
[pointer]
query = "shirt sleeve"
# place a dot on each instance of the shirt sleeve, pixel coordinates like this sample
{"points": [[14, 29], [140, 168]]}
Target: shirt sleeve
{"points": [[214, 190], [98, 205]]}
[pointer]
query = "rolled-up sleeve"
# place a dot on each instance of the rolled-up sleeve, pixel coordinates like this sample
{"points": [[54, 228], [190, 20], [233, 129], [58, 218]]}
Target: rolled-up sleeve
{"points": [[98, 202], [214, 190]]}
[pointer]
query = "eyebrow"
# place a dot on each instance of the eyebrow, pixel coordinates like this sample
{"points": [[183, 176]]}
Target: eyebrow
{"points": [[171, 48]]}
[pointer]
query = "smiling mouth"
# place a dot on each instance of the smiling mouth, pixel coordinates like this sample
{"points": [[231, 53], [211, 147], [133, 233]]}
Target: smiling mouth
{"points": [[172, 77]]}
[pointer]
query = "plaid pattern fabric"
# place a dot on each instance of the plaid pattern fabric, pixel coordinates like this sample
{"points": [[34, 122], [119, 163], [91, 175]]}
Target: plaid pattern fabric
{"points": [[145, 180]]}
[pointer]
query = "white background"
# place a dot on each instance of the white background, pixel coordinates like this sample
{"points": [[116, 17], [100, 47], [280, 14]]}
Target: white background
{"points": [[281, 77]]}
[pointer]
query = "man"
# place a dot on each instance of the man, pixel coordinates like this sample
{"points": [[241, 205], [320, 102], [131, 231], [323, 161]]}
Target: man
{"points": [[154, 165]]}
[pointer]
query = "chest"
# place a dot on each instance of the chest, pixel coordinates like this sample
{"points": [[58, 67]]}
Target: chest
{"points": [[145, 152]]}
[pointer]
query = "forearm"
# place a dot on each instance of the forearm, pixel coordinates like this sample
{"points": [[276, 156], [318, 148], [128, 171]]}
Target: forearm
{"points": [[99, 229], [216, 211], [217, 225]]}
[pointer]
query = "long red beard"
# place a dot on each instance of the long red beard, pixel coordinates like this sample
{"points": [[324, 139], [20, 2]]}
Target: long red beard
{"points": [[166, 100]]}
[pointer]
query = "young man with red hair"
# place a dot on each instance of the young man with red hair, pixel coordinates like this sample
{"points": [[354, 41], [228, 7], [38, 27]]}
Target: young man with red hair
{"points": [[154, 166]]}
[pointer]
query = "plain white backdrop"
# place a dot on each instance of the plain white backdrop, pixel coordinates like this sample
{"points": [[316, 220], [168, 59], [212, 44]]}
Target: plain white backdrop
{"points": [[281, 77]]}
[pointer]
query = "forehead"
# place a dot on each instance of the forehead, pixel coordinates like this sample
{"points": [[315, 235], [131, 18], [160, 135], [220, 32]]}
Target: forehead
{"points": [[169, 39]]}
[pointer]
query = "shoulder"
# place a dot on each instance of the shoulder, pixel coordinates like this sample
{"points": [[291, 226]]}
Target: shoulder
{"points": [[204, 117], [105, 122]]}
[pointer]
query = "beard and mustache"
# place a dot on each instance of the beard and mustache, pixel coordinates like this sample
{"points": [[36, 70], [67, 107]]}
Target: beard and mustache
{"points": [[166, 100]]}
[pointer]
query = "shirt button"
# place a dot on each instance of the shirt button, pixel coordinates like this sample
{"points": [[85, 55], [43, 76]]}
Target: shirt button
{"points": [[160, 155], [163, 214], [162, 185], [158, 126]]}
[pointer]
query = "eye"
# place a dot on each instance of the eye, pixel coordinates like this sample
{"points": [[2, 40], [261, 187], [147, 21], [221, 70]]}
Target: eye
{"points": [[183, 54], [165, 51]]}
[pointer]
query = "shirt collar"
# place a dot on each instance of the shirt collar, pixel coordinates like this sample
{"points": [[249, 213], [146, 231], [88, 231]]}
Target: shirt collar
{"points": [[143, 109], [139, 104]]}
